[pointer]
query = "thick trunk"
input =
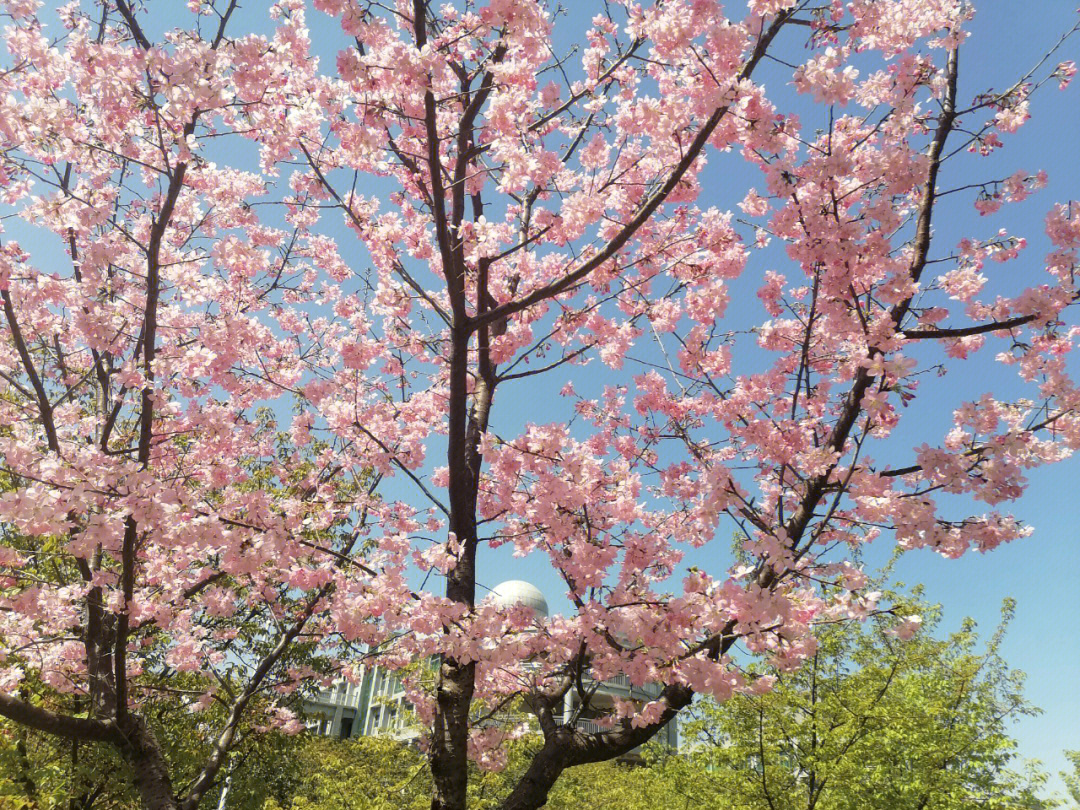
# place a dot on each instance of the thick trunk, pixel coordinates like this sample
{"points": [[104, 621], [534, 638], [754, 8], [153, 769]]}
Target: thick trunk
{"points": [[149, 769], [449, 757], [531, 791], [454, 693]]}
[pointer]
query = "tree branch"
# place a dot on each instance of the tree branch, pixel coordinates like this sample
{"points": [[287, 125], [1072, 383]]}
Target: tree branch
{"points": [[224, 743], [650, 206], [966, 331], [73, 728], [44, 408]]}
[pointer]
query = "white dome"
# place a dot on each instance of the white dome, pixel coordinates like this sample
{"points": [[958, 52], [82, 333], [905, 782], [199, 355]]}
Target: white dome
{"points": [[518, 592]]}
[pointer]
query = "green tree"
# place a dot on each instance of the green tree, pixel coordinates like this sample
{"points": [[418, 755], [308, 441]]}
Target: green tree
{"points": [[364, 773], [1072, 779], [873, 721], [372, 773]]}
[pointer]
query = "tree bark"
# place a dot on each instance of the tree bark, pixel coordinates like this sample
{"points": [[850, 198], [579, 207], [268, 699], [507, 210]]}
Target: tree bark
{"points": [[149, 768], [532, 789], [450, 735]]}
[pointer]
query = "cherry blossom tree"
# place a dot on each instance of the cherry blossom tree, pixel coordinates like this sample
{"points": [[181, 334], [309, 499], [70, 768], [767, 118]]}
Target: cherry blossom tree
{"points": [[153, 521], [461, 207]]}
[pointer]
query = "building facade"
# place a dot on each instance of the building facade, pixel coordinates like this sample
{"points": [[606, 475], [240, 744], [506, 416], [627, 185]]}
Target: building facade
{"points": [[375, 706]]}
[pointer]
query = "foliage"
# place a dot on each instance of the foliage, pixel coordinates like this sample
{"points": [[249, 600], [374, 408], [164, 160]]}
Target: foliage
{"points": [[872, 721], [364, 773], [372, 773], [1072, 778]]}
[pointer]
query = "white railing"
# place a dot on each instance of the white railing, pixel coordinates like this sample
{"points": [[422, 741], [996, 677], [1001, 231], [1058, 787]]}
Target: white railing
{"points": [[590, 726]]}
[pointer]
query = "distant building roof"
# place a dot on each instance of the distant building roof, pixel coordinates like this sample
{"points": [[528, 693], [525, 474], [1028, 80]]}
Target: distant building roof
{"points": [[518, 592]]}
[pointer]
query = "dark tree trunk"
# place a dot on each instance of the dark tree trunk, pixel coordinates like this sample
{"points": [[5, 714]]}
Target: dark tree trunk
{"points": [[151, 773], [531, 791], [454, 694]]}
